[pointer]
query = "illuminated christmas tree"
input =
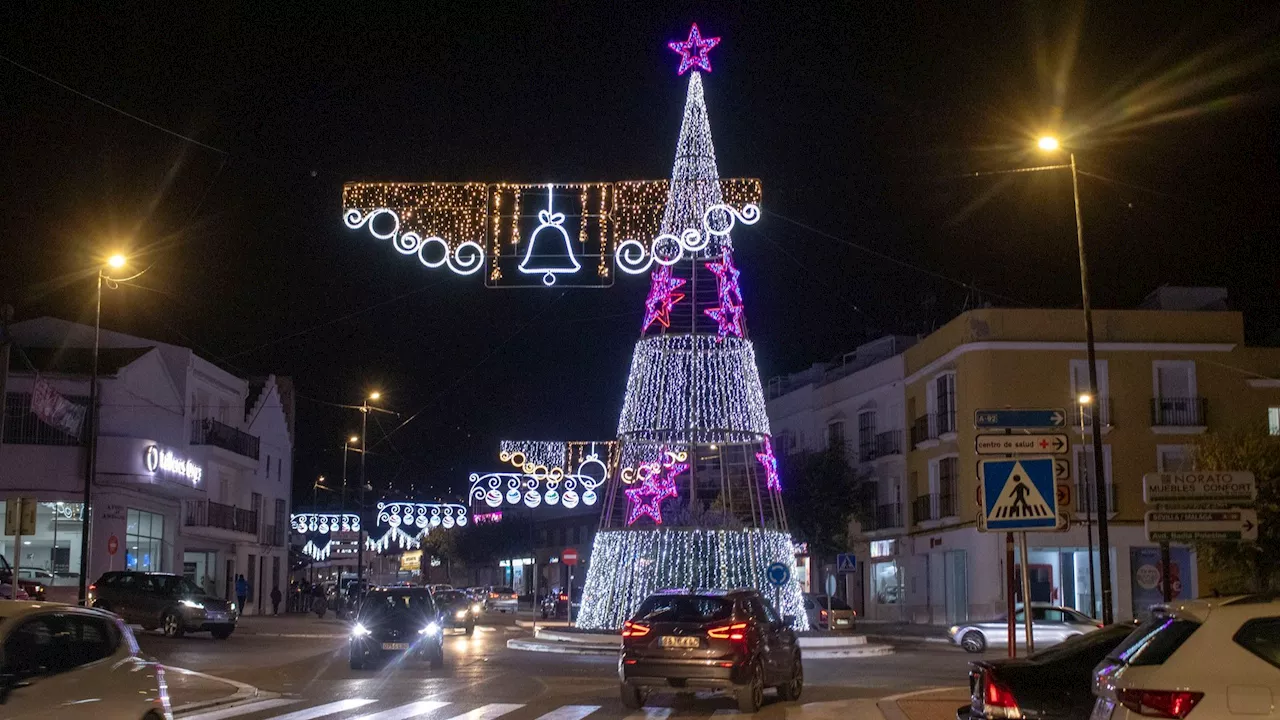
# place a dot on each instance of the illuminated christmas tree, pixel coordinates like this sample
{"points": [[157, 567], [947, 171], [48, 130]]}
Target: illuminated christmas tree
{"points": [[695, 501]]}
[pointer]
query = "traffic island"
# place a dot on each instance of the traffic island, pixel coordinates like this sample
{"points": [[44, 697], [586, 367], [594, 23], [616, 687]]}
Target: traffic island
{"points": [[572, 641], [191, 691]]}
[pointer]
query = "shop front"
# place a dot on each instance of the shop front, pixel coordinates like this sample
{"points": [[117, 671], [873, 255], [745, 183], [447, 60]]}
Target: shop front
{"points": [[886, 594]]}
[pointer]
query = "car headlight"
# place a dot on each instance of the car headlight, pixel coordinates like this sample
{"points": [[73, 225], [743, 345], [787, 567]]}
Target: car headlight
{"points": [[191, 604], [359, 630], [475, 609], [430, 629], [460, 615], [233, 607], [953, 630]]}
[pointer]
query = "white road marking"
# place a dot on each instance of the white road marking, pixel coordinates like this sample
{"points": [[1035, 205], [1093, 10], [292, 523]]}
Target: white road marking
{"points": [[326, 709], [404, 712], [570, 712], [238, 710], [725, 711], [658, 713], [488, 712]]}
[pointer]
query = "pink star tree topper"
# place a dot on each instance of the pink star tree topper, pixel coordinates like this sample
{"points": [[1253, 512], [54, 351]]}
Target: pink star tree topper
{"points": [[693, 52]]}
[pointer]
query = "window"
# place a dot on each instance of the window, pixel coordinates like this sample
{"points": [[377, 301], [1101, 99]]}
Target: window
{"points": [[144, 540], [685, 608], [835, 433], [278, 473], [1079, 370], [1174, 458], [942, 403], [1174, 393], [51, 644], [867, 434], [269, 467], [1273, 420], [785, 441], [1261, 636], [886, 583], [943, 486], [1156, 641], [1084, 467]]}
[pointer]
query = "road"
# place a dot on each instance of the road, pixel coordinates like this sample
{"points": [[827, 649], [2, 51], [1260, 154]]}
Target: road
{"points": [[484, 680]]}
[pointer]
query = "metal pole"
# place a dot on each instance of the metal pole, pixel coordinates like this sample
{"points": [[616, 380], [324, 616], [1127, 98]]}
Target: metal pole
{"points": [[1026, 596], [343, 503], [1088, 524], [6, 315], [91, 455], [1104, 539], [1009, 579], [364, 427], [1166, 574]]}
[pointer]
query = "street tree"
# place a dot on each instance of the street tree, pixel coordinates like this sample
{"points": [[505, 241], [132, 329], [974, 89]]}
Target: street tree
{"points": [[1246, 567], [821, 492]]}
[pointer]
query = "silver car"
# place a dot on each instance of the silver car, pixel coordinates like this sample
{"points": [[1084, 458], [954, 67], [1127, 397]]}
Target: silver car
{"points": [[1050, 624]]}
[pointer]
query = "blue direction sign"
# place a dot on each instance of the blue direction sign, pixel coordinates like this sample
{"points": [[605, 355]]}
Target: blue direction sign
{"points": [[778, 574], [1019, 494], [1020, 418], [846, 563]]}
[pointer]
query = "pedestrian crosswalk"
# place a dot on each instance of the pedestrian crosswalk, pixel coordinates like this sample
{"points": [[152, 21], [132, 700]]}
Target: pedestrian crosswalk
{"points": [[360, 708]]}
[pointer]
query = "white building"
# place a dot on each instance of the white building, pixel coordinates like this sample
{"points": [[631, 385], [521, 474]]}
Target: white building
{"points": [[193, 471]]}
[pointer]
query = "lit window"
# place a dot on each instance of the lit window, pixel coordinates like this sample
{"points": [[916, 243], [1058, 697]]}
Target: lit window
{"points": [[1273, 420]]}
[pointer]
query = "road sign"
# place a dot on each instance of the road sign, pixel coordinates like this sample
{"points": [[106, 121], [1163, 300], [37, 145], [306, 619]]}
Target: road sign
{"points": [[1020, 418], [1184, 525], [1056, 444], [846, 563], [778, 574], [569, 556], [831, 585], [1019, 494], [20, 516], [1061, 468], [1210, 487], [1064, 495], [113, 544]]}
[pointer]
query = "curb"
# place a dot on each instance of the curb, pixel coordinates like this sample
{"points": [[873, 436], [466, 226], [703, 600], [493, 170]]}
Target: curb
{"points": [[854, 652], [244, 693], [911, 639], [561, 648]]}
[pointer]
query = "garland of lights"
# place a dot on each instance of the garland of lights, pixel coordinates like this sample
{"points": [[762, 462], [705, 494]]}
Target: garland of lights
{"points": [[669, 248], [529, 455], [693, 388], [770, 463], [317, 552], [324, 523], [465, 259], [408, 522], [533, 490], [629, 565]]}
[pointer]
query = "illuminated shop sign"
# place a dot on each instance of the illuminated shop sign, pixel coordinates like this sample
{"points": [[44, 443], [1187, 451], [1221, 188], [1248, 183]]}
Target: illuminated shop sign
{"points": [[158, 460]]}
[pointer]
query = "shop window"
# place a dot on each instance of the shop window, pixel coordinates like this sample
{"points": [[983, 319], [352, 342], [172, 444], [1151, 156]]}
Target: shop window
{"points": [[886, 583], [1273, 420], [144, 540]]}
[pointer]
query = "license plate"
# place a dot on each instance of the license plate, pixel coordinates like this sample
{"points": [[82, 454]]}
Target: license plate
{"points": [[676, 641], [1102, 709], [842, 622], [395, 646], [215, 616]]}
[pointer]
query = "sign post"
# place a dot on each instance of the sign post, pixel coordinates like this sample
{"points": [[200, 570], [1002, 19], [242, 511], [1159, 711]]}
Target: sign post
{"points": [[778, 575], [569, 557]]}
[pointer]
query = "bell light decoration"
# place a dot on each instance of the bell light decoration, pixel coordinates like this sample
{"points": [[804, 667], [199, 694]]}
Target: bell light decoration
{"points": [[550, 252]]}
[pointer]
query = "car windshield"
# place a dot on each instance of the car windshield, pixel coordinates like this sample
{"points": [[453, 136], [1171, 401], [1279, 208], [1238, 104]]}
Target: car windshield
{"points": [[684, 608], [835, 603], [1095, 644], [504, 591], [1154, 641], [180, 586], [448, 597], [394, 602]]}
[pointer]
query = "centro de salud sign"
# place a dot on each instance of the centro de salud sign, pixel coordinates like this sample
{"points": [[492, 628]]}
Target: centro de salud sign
{"points": [[160, 460], [1211, 487]]}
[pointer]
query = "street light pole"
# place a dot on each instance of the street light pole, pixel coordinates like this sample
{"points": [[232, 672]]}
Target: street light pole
{"points": [[1088, 514], [364, 427], [91, 453]]}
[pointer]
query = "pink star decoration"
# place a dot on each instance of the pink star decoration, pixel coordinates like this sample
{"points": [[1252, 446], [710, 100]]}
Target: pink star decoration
{"points": [[770, 463], [657, 485], [662, 297], [728, 314], [693, 52]]}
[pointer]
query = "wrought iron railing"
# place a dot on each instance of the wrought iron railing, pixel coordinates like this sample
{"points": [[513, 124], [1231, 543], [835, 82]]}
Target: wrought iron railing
{"points": [[207, 431], [922, 509], [1179, 412], [888, 516], [922, 430], [22, 427], [1084, 413], [207, 513]]}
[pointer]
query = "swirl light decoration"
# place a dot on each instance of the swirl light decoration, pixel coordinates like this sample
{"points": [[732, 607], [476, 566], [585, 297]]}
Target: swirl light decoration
{"points": [[432, 251], [668, 248], [552, 487], [324, 523], [408, 522]]}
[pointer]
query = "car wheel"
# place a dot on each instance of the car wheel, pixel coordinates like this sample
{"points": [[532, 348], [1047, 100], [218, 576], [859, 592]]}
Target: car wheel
{"points": [[357, 662], [221, 633], [471, 629], [751, 695], [152, 715], [633, 697], [973, 641], [792, 688], [171, 624]]}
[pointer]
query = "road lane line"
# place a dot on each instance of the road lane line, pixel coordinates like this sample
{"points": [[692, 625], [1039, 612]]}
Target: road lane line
{"points": [[658, 713], [404, 712], [326, 709], [488, 712], [238, 710], [570, 712]]}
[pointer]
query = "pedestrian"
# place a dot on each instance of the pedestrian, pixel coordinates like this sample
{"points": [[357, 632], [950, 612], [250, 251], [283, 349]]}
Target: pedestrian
{"points": [[242, 592], [275, 601]]}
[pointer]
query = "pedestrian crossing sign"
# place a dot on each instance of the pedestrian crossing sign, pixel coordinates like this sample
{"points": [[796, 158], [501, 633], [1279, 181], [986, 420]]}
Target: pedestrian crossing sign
{"points": [[1019, 494]]}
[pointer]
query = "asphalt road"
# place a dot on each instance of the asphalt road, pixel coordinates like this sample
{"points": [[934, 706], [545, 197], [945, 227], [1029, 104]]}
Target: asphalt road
{"points": [[483, 679]]}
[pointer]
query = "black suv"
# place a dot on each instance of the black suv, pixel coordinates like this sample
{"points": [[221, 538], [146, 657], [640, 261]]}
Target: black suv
{"points": [[161, 600], [730, 640], [397, 621]]}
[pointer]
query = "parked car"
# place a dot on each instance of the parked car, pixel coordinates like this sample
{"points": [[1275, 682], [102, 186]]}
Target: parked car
{"points": [[555, 604], [1052, 683], [503, 599], [458, 610], [395, 622], [829, 613], [59, 659], [1215, 659], [727, 640], [34, 589], [1050, 624], [162, 600]]}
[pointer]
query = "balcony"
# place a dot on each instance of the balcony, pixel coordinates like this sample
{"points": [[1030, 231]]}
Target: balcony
{"points": [[922, 509], [1186, 412], [208, 431], [1082, 415], [923, 431], [22, 427], [934, 506], [888, 516], [273, 535], [887, 443], [944, 422], [210, 514]]}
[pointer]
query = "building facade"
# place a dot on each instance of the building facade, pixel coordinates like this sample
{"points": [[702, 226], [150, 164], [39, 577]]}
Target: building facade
{"points": [[1166, 374], [193, 471]]}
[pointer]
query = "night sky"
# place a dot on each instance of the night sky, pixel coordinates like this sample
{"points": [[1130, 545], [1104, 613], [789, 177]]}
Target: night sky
{"points": [[861, 120]]}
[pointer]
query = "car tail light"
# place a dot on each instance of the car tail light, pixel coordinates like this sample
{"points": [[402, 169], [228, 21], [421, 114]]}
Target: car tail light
{"points": [[736, 631], [822, 614], [1159, 703], [93, 587], [563, 596], [493, 596], [998, 700], [634, 629]]}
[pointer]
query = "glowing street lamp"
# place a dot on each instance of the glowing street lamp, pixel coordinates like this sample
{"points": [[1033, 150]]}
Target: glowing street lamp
{"points": [[1048, 143], [117, 261], [1085, 399]]}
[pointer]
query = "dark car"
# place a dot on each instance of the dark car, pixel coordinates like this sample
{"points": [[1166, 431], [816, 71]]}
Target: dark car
{"points": [[161, 600], [32, 587], [555, 604], [727, 640], [458, 609], [1053, 683], [395, 622]]}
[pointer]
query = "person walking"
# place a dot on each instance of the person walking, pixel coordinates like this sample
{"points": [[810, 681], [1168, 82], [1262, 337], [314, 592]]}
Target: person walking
{"points": [[242, 592], [275, 600]]}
